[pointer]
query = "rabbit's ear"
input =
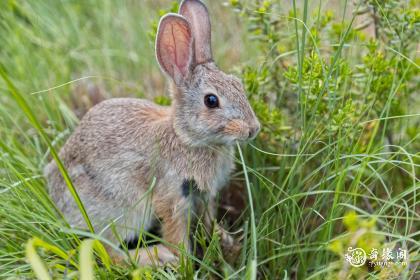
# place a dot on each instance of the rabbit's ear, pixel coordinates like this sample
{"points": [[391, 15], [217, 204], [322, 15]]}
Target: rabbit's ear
{"points": [[197, 14], [174, 47]]}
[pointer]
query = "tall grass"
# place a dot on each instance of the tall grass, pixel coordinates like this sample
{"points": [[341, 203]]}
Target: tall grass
{"points": [[337, 156]]}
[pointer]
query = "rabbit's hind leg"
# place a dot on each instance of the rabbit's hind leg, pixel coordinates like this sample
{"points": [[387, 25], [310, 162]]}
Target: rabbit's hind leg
{"points": [[156, 255]]}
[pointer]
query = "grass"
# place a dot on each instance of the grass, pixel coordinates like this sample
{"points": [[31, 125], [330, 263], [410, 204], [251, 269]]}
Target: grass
{"points": [[335, 166]]}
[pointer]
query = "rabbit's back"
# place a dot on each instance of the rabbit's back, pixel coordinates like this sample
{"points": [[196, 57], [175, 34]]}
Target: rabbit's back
{"points": [[115, 126]]}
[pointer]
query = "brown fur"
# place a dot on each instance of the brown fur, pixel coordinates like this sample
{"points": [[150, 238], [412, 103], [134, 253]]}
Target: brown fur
{"points": [[121, 145]]}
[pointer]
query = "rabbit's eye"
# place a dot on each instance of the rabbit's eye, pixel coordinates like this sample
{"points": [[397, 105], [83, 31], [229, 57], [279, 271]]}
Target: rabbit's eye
{"points": [[211, 101]]}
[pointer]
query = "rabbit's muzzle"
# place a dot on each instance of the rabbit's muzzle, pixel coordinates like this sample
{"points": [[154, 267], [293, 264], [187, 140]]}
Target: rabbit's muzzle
{"points": [[242, 130]]}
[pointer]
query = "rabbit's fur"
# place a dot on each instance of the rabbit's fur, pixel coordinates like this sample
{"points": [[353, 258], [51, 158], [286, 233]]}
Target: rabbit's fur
{"points": [[123, 145]]}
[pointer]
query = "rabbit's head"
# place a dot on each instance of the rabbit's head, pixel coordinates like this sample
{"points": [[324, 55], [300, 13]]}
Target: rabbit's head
{"points": [[210, 107]]}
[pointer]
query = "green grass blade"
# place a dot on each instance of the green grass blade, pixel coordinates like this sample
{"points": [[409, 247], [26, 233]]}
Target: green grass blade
{"points": [[252, 267], [35, 261]]}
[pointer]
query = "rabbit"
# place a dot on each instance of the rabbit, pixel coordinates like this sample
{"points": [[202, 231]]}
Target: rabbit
{"points": [[133, 162]]}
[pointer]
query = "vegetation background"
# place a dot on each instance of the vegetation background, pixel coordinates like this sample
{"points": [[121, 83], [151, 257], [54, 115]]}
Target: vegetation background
{"points": [[336, 165]]}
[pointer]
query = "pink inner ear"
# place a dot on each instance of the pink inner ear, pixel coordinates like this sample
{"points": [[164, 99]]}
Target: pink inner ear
{"points": [[174, 46]]}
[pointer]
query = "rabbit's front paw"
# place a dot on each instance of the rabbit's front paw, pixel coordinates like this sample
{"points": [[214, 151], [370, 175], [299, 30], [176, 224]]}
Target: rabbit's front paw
{"points": [[230, 246], [226, 240]]}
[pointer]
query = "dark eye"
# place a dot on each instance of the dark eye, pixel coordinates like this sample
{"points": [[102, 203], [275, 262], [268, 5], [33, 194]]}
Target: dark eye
{"points": [[211, 101]]}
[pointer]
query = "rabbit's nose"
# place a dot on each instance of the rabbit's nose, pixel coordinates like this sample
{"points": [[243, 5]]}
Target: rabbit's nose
{"points": [[253, 130]]}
